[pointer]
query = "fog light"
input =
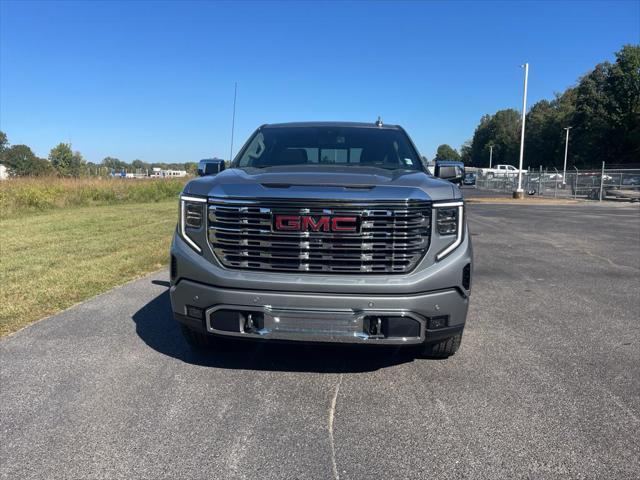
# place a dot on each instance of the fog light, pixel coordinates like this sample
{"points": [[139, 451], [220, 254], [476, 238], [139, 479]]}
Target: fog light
{"points": [[194, 312], [438, 322]]}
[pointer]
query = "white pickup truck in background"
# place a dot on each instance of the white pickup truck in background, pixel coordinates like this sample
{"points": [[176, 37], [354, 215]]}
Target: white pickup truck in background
{"points": [[500, 171]]}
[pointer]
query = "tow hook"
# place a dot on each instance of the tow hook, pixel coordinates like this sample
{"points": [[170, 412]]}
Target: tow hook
{"points": [[249, 326], [375, 327], [253, 322]]}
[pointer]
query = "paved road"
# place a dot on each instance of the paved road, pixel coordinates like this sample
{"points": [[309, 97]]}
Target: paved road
{"points": [[546, 384]]}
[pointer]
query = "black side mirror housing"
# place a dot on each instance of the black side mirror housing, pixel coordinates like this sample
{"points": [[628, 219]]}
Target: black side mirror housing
{"points": [[207, 167]]}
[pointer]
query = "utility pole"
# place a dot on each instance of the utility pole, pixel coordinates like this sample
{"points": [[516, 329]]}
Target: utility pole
{"points": [[601, 181], [233, 120], [490, 155], [519, 193], [566, 149]]}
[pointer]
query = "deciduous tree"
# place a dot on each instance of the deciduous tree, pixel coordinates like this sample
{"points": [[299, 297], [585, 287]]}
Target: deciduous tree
{"points": [[114, 164], [4, 142], [603, 110], [21, 161], [446, 152], [65, 161]]}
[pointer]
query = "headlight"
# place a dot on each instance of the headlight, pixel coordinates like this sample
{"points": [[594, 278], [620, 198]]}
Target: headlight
{"points": [[191, 218], [449, 222], [193, 215]]}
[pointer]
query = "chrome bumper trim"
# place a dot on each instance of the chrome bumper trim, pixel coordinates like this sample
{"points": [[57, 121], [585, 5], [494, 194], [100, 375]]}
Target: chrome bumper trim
{"points": [[315, 325]]}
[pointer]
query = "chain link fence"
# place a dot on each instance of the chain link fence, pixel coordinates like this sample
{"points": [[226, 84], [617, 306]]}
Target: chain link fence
{"points": [[603, 184]]}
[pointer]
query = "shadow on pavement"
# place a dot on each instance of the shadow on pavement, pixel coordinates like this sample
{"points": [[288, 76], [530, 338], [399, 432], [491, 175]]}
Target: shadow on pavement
{"points": [[157, 328]]}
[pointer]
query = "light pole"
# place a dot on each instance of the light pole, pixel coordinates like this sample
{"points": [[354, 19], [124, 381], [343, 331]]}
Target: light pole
{"points": [[490, 155], [519, 193], [566, 149]]}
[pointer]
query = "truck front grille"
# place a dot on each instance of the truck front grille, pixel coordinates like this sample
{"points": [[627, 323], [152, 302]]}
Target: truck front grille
{"points": [[392, 237]]}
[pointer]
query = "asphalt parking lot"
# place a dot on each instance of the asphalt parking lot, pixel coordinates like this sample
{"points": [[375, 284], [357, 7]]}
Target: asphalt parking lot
{"points": [[546, 384]]}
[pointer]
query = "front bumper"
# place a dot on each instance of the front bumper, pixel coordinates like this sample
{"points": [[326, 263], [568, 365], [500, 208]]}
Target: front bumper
{"points": [[313, 317]]}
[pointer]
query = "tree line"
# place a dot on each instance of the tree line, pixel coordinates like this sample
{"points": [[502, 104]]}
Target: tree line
{"points": [[602, 111], [64, 162]]}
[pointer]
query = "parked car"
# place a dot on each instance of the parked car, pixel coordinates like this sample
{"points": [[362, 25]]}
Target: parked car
{"points": [[324, 232], [546, 180], [501, 171], [631, 180], [589, 184], [469, 179]]}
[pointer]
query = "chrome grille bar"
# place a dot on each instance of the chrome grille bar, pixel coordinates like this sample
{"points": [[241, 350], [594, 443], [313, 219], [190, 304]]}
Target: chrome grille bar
{"points": [[393, 238]]}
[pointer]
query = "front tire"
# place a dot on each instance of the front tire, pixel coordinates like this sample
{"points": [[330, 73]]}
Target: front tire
{"points": [[197, 340], [443, 348]]}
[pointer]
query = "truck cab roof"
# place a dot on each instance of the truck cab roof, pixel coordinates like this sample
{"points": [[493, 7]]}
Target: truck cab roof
{"points": [[331, 124]]}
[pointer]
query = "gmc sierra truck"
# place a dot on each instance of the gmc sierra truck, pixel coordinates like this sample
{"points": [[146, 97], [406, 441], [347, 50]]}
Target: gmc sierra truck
{"points": [[324, 232]]}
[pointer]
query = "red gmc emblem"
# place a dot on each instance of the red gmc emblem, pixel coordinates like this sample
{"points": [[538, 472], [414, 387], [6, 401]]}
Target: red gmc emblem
{"points": [[312, 223]]}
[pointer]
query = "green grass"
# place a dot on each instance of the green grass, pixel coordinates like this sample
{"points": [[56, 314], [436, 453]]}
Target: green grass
{"points": [[51, 260], [28, 195]]}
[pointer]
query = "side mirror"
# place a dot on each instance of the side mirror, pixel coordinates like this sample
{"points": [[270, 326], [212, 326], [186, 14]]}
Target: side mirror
{"points": [[210, 168], [449, 172]]}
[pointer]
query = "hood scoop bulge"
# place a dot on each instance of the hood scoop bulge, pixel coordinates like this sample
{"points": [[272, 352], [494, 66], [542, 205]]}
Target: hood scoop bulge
{"points": [[340, 185]]}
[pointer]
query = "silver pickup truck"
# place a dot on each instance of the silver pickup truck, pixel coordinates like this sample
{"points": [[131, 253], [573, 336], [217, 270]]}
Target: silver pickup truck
{"points": [[324, 232]]}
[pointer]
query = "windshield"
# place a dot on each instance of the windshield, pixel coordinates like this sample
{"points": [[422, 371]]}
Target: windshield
{"points": [[342, 146]]}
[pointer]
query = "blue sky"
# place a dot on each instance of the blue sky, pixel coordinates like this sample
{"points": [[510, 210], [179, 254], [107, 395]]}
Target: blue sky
{"points": [[154, 81]]}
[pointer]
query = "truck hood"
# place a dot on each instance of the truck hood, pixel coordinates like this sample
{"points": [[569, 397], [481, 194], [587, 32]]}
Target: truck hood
{"points": [[323, 182]]}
